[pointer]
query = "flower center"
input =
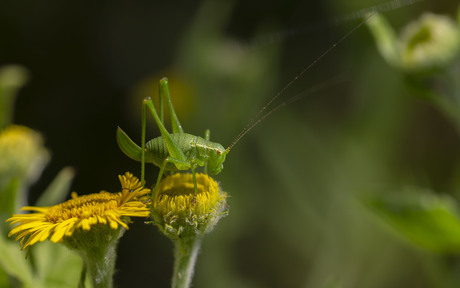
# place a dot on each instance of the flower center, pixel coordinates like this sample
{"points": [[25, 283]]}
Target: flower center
{"points": [[176, 194], [83, 207]]}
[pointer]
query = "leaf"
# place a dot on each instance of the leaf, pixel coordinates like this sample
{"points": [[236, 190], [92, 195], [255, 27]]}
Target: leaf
{"points": [[13, 262], [8, 198], [58, 189], [57, 266], [428, 220], [3, 278]]}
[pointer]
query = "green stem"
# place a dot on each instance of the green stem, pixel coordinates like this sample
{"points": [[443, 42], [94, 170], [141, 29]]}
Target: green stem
{"points": [[99, 255], [448, 105], [101, 265], [81, 284], [186, 251]]}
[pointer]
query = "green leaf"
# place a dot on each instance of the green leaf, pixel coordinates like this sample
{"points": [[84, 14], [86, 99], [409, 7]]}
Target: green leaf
{"points": [[458, 16], [13, 261], [428, 220], [8, 197], [58, 189], [57, 266], [3, 278], [7, 202]]}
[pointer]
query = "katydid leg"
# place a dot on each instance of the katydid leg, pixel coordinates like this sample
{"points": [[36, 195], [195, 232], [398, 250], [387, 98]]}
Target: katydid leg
{"points": [[164, 92], [194, 185], [207, 136], [162, 170], [171, 145]]}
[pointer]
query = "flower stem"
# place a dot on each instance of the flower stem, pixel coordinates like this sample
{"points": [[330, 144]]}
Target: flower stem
{"points": [[81, 284], [99, 257], [101, 266], [186, 251]]}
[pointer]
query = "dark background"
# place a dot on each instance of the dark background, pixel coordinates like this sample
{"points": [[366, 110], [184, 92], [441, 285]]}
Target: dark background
{"points": [[293, 181]]}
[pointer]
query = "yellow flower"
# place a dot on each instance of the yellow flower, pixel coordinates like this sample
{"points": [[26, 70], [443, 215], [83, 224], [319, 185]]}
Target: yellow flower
{"points": [[179, 212], [22, 152], [82, 212]]}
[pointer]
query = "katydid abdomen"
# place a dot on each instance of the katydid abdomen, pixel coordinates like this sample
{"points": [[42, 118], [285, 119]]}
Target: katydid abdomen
{"points": [[197, 150]]}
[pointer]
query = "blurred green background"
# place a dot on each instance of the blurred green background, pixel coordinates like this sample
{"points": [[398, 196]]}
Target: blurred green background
{"points": [[297, 182]]}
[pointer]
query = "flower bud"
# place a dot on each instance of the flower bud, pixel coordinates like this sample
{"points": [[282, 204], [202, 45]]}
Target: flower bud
{"points": [[428, 43], [180, 212], [22, 154]]}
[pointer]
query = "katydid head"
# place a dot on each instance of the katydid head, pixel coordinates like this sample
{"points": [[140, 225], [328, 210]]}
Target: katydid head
{"points": [[216, 161]]}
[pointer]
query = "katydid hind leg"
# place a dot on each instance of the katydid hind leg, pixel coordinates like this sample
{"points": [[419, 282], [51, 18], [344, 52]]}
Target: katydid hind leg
{"points": [[173, 148], [164, 92]]}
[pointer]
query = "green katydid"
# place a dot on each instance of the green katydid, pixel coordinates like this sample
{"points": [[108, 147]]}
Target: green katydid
{"points": [[179, 151], [172, 152]]}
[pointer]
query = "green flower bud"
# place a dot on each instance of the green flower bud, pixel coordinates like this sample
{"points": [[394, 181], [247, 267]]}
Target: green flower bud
{"points": [[428, 43]]}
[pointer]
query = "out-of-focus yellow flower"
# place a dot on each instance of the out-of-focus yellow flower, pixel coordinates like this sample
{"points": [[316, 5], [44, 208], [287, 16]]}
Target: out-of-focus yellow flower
{"points": [[22, 153]]}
